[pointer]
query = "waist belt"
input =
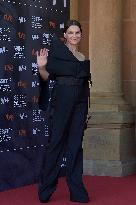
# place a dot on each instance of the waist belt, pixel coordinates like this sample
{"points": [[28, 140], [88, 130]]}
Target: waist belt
{"points": [[69, 80]]}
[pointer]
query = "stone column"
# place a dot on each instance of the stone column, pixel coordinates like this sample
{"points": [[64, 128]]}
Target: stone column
{"points": [[74, 9], [109, 141]]}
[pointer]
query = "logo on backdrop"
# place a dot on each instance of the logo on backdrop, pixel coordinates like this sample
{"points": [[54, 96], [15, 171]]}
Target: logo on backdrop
{"points": [[21, 35]]}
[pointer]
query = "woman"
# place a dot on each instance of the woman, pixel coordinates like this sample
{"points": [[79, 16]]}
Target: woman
{"points": [[69, 101]]}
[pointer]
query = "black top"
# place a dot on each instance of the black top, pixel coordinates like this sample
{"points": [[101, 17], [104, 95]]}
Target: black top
{"points": [[62, 62]]}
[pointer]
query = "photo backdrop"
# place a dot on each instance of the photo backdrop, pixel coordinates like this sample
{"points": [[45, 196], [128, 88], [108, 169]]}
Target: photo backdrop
{"points": [[25, 27]]}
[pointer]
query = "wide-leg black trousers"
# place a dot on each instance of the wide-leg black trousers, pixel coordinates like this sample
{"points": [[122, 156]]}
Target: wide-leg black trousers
{"points": [[70, 108]]}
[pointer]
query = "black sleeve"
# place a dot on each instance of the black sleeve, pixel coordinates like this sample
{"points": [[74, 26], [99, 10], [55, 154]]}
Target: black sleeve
{"points": [[60, 60], [44, 94]]}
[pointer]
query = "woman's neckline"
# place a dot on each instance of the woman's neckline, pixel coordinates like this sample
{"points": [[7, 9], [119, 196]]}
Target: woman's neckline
{"points": [[73, 54]]}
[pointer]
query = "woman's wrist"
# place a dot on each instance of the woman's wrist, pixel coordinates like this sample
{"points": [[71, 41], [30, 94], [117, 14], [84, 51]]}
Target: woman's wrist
{"points": [[41, 67]]}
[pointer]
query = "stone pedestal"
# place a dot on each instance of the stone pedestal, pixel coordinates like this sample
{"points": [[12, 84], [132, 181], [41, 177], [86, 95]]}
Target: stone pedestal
{"points": [[109, 142]]}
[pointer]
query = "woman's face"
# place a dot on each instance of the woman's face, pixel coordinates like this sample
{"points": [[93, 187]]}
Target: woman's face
{"points": [[73, 35]]}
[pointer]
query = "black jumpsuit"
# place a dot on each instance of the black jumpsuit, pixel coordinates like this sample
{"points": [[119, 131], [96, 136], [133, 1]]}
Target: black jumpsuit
{"points": [[70, 107]]}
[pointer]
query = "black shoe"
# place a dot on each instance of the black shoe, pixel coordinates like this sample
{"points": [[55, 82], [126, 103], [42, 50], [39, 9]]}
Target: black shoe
{"points": [[45, 200], [45, 194]]}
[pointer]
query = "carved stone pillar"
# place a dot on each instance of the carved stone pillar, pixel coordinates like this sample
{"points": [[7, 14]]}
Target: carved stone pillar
{"points": [[109, 144]]}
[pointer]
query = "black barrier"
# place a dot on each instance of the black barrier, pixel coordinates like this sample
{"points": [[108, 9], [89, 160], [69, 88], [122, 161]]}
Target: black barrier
{"points": [[25, 27]]}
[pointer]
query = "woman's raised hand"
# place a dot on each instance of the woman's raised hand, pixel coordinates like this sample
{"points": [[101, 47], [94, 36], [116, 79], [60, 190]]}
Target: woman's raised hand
{"points": [[42, 57]]}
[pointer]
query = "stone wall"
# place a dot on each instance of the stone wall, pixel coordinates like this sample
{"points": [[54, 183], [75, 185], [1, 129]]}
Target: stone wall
{"points": [[109, 142], [129, 51]]}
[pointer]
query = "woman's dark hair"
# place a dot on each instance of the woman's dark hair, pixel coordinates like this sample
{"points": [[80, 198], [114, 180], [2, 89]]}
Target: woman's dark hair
{"points": [[72, 23]]}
